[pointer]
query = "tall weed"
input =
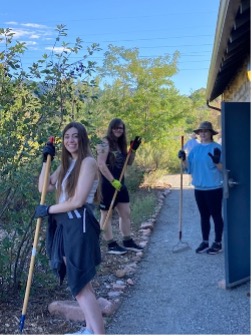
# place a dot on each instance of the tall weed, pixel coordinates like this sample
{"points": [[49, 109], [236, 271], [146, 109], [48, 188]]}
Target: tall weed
{"points": [[142, 207]]}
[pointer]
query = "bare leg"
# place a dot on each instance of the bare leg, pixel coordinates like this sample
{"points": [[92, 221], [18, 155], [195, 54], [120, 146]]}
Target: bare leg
{"points": [[108, 234], [90, 307], [123, 210]]}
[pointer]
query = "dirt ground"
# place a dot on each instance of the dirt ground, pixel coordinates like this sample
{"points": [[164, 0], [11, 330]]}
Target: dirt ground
{"points": [[38, 319]]}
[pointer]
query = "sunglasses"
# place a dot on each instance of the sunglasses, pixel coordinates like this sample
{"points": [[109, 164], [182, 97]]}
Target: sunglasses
{"points": [[118, 128]]}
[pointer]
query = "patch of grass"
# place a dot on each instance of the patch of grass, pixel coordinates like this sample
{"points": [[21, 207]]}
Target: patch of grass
{"points": [[142, 207], [152, 177]]}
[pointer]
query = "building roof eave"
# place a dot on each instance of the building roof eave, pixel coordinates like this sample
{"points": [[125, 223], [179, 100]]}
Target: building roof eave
{"points": [[230, 44]]}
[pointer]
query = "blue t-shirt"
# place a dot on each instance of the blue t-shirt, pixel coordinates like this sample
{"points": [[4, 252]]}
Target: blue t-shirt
{"points": [[190, 144], [205, 174]]}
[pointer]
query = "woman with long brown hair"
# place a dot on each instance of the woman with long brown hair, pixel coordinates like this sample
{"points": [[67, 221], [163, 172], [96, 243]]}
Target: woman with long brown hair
{"points": [[112, 153], [73, 232]]}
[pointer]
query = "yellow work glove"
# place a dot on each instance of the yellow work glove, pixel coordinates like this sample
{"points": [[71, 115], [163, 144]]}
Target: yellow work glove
{"points": [[116, 184]]}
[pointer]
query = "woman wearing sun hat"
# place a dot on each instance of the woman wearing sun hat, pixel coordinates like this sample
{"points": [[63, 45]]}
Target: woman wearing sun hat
{"points": [[204, 164]]}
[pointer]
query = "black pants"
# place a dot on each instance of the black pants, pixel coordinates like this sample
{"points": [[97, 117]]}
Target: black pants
{"points": [[209, 203]]}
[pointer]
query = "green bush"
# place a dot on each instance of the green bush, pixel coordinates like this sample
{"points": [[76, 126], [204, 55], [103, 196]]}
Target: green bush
{"points": [[134, 177], [142, 207], [34, 104]]}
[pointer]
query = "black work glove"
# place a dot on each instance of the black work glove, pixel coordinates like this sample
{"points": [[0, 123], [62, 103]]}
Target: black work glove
{"points": [[49, 149], [182, 155], [134, 144], [216, 156], [41, 211]]}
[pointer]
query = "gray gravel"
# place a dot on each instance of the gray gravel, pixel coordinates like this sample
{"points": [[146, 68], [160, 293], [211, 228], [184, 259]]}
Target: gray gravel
{"points": [[180, 293]]}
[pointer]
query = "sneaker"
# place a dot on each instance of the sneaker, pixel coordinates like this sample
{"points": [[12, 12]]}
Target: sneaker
{"points": [[215, 248], [114, 248], [130, 245], [202, 248], [82, 331]]}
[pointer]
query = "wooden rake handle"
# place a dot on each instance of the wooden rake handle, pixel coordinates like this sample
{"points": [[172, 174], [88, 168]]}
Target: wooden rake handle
{"points": [[36, 236]]}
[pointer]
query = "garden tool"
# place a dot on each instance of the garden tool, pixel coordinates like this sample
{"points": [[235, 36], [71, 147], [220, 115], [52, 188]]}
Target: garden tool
{"points": [[181, 245], [35, 243]]}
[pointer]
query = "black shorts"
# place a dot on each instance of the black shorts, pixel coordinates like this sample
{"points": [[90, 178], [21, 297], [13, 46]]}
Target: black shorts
{"points": [[107, 194], [75, 235]]}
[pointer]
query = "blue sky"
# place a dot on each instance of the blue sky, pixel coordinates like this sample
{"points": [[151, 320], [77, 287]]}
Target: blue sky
{"points": [[156, 27]]}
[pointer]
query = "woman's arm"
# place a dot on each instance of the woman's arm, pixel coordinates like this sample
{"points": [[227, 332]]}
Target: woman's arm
{"points": [[88, 173], [219, 166], [131, 158], [102, 155], [185, 164], [134, 144]]}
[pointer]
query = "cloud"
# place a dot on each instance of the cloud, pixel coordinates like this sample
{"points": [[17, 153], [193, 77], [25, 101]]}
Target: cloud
{"points": [[30, 30], [34, 25], [58, 49], [11, 23], [34, 36], [30, 43]]}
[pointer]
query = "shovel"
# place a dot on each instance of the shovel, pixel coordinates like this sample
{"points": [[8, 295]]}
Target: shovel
{"points": [[181, 245]]}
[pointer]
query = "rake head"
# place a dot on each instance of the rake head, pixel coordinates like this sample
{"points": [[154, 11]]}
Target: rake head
{"points": [[180, 247]]}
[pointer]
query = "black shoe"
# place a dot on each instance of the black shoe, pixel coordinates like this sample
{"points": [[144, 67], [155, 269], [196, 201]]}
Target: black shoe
{"points": [[202, 248], [215, 248], [114, 248], [130, 245]]}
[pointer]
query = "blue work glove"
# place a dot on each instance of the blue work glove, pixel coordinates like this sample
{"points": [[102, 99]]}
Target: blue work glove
{"points": [[182, 155], [116, 184], [41, 211], [49, 149], [216, 156], [134, 144]]}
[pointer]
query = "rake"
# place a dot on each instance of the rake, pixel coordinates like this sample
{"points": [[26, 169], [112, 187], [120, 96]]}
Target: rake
{"points": [[181, 245], [35, 243]]}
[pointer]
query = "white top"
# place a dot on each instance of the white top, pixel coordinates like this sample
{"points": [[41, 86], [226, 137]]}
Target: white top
{"points": [[64, 196]]}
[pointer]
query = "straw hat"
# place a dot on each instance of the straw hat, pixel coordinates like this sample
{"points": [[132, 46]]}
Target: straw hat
{"points": [[205, 125]]}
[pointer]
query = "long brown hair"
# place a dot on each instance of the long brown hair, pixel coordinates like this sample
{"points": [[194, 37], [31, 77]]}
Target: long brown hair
{"points": [[114, 142], [83, 151]]}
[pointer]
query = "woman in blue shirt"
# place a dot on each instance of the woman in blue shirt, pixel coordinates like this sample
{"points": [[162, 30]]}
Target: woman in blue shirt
{"points": [[204, 164]]}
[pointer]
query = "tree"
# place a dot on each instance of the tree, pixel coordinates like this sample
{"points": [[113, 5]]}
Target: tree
{"points": [[142, 93], [34, 104]]}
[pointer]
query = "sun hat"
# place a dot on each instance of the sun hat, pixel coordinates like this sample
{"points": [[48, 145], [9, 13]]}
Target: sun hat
{"points": [[205, 125]]}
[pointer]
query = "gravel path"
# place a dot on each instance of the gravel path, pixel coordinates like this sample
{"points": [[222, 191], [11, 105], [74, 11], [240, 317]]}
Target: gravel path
{"points": [[181, 293]]}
